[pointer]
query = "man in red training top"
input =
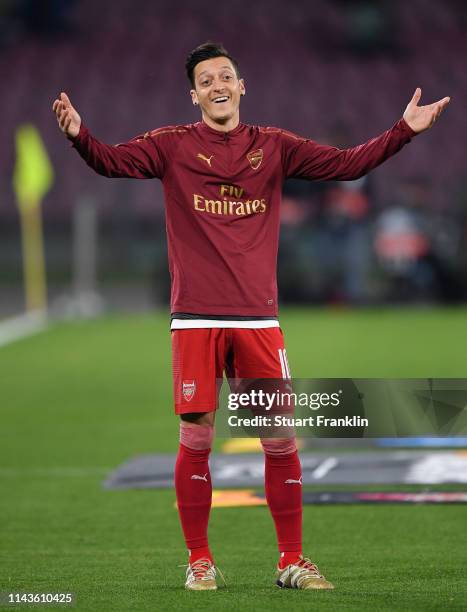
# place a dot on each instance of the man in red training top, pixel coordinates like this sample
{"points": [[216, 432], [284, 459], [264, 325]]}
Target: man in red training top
{"points": [[222, 182]]}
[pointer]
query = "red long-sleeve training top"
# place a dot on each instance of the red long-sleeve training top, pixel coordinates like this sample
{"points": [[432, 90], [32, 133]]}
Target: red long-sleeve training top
{"points": [[222, 198]]}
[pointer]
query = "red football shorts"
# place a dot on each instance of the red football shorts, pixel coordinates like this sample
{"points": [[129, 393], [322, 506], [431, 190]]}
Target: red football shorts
{"points": [[201, 356]]}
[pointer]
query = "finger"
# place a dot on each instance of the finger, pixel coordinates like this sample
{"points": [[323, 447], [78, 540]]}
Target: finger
{"points": [[62, 109], [54, 105], [444, 102], [63, 119], [416, 96], [65, 99], [440, 107], [436, 114]]}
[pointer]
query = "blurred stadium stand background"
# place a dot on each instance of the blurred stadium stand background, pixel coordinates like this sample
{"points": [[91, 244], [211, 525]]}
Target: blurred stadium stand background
{"points": [[338, 72]]}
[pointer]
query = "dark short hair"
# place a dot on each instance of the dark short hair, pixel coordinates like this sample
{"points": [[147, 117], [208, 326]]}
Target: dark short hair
{"points": [[206, 51]]}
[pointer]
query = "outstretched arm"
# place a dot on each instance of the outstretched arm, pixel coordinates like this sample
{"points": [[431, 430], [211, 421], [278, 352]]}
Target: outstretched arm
{"points": [[138, 158], [304, 158]]}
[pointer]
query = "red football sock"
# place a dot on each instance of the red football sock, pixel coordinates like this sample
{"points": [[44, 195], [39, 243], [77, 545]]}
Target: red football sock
{"points": [[194, 493], [288, 557], [199, 553], [283, 479]]}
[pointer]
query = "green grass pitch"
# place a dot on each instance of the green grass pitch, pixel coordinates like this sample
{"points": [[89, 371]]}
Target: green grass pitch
{"points": [[81, 398]]}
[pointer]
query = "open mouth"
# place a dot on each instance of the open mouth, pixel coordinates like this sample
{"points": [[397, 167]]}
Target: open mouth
{"points": [[221, 99]]}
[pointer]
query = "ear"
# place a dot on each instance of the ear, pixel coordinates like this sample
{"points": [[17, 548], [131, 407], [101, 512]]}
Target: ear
{"points": [[241, 83], [194, 97]]}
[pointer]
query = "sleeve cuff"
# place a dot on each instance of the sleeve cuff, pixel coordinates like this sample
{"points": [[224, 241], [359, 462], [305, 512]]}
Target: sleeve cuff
{"points": [[77, 140], [406, 127]]}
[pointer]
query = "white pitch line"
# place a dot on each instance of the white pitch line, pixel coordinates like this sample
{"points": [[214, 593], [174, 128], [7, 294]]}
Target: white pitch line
{"points": [[325, 467], [15, 328]]}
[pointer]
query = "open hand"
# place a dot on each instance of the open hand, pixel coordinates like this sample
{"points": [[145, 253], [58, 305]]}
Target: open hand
{"points": [[420, 118], [68, 119]]}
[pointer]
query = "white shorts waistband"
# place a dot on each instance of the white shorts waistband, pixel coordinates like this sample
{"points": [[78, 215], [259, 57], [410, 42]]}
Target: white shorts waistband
{"points": [[219, 323]]}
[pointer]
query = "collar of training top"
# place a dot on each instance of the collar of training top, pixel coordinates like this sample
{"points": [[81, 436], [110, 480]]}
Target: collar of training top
{"points": [[219, 134]]}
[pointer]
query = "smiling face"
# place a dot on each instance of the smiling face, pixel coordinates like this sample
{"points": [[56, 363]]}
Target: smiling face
{"points": [[218, 91]]}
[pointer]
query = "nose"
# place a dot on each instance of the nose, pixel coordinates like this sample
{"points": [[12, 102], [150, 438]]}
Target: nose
{"points": [[218, 85]]}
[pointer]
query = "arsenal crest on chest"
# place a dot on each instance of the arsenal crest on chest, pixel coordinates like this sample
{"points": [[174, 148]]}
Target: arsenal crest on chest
{"points": [[255, 158]]}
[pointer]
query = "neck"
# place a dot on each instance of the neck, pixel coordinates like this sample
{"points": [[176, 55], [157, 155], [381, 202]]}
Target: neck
{"points": [[222, 126]]}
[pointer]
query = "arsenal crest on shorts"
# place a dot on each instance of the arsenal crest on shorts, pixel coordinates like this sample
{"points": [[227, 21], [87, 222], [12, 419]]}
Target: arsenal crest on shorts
{"points": [[188, 389], [255, 158]]}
